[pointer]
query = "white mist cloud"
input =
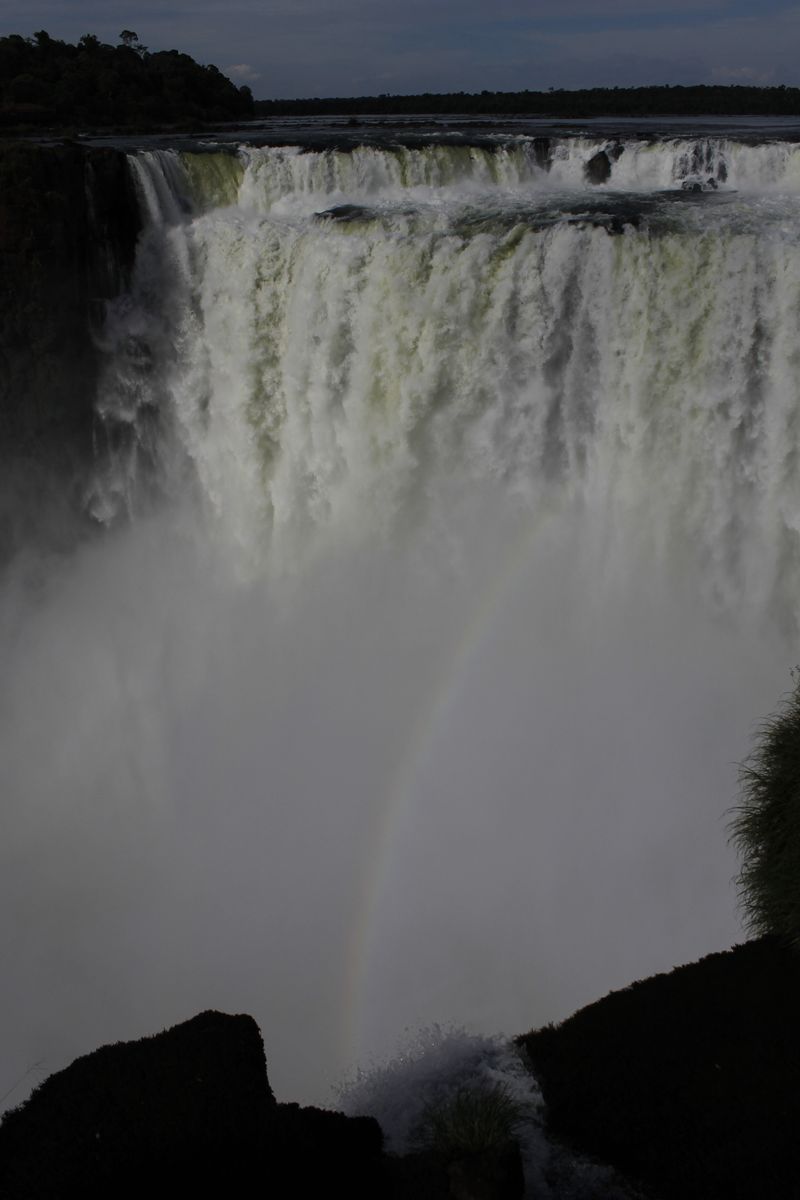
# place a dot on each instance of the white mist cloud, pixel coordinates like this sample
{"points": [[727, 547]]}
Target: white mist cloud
{"points": [[242, 73], [360, 804]]}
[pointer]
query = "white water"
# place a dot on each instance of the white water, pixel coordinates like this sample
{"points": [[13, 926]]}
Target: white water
{"points": [[368, 173], [432, 1068], [463, 557]]}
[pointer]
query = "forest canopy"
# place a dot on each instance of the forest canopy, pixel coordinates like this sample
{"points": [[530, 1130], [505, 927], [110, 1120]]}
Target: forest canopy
{"points": [[587, 102], [45, 82]]}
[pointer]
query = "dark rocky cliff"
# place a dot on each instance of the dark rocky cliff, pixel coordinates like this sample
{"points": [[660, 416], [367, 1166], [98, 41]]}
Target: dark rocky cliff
{"points": [[69, 222], [687, 1082], [188, 1112]]}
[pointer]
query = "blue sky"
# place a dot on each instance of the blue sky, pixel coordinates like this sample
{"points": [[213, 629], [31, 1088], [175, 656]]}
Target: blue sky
{"points": [[348, 47]]}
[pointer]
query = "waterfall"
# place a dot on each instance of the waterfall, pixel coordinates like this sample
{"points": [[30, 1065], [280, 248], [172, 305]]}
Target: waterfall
{"points": [[329, 363], [450, 515]]}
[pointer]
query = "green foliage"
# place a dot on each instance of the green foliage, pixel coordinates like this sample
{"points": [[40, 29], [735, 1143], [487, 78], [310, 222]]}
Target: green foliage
{"points": [[44, 81], [471, 1120], [766, 826]]}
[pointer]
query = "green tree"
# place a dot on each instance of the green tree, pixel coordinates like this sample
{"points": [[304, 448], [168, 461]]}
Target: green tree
{"points": [[130, 41], [123, 85], [25, 89], [766, 825]]}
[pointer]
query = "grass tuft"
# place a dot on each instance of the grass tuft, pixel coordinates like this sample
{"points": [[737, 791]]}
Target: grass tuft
{"points": [[765, 827], [471, 1120]]}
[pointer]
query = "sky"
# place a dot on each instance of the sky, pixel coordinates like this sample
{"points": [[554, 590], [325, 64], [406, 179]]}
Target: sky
{"points": [[296, 48]]}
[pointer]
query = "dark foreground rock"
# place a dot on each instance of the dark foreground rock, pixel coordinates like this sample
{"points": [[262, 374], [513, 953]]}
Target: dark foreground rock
{"points": [[180, 1113], [687, 1082], [490, 1175], [190, 1112], [313, 1152], [495, 1174]]}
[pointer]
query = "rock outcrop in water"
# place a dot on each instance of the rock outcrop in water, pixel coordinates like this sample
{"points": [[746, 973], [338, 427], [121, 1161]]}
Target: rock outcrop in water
{"points": [[69, 222], [598, 168]]}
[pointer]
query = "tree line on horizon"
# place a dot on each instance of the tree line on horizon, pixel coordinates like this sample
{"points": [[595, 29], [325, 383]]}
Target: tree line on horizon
{"points": [[45, 82], [663, 100]]}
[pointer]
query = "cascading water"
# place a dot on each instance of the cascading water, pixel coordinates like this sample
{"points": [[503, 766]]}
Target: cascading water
{"points": [[358, 327], [463, 554]]}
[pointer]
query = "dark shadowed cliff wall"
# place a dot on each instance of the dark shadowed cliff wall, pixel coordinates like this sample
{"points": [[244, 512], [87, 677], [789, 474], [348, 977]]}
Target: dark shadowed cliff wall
{"points": [[68, 228]]}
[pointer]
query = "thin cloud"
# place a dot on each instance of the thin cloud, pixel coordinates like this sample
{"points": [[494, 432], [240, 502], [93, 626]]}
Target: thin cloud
{"points": [[750, 75], [243, 72]]}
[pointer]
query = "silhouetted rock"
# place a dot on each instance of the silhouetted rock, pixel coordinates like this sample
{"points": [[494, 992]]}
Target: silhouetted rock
{"points": [[488, 1175], [181, 1113], [688, 1082], [430, 1175], [317, 1152], [418, 1176], [188, 1112]]}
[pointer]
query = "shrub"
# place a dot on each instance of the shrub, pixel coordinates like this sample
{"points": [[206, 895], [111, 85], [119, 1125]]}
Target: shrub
{"points": [[766, 826], [471, 1120]]}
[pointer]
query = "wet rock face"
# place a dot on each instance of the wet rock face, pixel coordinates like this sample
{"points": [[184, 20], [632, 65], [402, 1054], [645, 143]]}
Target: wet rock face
{"points": [[69, 222], [68, 228], [598, 168], [543, 152]]}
